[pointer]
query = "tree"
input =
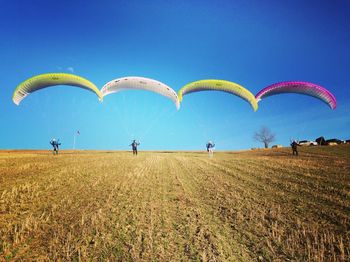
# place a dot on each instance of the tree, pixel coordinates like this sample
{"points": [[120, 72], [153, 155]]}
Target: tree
{"points": [[265, 136]]}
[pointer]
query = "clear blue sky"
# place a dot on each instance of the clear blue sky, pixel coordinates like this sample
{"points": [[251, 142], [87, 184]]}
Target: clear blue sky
{"points": [[253, 43]]}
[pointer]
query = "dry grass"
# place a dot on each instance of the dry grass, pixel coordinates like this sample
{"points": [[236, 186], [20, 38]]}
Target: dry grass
{"points": [[249, 206]]}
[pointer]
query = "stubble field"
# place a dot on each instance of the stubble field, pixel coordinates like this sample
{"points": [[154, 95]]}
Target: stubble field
{"points": [[258, 205]]}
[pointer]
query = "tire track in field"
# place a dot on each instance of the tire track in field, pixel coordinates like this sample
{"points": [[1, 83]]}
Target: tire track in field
{"points": [[237, 209], [265, 210], [109, 221], [243, 210], [195, 183], [138, 207]]}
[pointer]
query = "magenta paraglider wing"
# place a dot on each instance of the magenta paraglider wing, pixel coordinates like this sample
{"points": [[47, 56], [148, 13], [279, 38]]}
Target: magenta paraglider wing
{"points": [[305, 88]]}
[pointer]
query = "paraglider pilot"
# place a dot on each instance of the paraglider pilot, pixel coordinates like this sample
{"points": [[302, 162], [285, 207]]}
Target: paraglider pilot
{"points": [[294, 146], [55, 144], [134, 145], [210, 148]]}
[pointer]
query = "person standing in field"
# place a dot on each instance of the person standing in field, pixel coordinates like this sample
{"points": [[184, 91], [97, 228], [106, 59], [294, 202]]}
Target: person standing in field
{"points": [[55, 144], [134, 145], [294, 146], [210, 148]]}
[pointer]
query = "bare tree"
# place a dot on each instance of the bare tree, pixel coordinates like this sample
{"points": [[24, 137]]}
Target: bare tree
{"points": [[265, 136]]}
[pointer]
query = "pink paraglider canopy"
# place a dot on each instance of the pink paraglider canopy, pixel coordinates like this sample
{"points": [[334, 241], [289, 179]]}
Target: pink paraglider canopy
{"points": [[305, 88]]}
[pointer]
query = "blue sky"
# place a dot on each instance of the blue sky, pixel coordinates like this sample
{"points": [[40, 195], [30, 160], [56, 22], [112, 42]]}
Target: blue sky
{"points": [[253, 43]]}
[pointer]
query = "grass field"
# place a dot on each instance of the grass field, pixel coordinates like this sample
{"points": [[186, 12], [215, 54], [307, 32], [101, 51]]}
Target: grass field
{"points": [[258, 205]]}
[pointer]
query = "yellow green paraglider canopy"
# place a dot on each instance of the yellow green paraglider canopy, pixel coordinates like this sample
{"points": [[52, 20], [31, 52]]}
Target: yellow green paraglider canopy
{"points": [[52, 79], [219, 85]]}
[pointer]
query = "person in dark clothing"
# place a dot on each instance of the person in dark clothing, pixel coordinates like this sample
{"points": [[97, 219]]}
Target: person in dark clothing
{"points": [[294, 146], [210, 148], [134, 145], [55, 144]]}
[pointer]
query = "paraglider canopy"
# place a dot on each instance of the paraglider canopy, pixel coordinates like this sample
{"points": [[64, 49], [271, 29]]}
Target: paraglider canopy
{"points": [[140, 83], [299, 87], [52, 79], [219, 85]]}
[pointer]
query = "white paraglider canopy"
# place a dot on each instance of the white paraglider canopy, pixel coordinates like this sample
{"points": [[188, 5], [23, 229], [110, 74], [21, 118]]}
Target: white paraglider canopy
{"points": [[140, 83]]}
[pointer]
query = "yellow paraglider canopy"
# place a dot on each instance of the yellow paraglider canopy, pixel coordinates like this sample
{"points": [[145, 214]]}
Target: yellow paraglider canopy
{"points": [[219, 85], [52, 79]]}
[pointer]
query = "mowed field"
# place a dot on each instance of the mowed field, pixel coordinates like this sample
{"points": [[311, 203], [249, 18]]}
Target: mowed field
{"points": [[257, 205]]}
